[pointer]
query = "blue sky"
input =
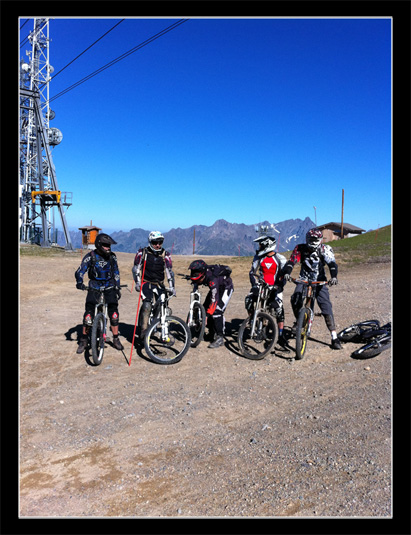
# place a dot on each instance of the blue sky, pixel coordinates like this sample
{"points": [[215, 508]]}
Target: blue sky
{"points": [[237, 119]]}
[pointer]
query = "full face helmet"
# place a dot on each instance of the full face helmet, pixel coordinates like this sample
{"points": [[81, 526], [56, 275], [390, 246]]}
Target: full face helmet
{"points": [[155, 240], [266, 244], [313, 239], [198, 269], [103, 244]]}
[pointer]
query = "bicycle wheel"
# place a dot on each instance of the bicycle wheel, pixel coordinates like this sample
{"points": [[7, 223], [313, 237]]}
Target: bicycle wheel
{"points": [[169, 349], [354, 332], [197, 325], [372, 349], [98, 332], [265, 336], [301, 332]]}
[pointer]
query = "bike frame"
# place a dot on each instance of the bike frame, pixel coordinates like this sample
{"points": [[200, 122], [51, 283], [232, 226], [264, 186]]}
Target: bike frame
{"points": [[159, 309], [308, 298], [261, 304], [102, 307]]}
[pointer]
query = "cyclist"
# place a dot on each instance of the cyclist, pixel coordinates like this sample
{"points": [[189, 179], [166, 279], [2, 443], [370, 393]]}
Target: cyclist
{"points": [[313, 255], [158, 264], [102, 269], [217, 278], [268, 264]]}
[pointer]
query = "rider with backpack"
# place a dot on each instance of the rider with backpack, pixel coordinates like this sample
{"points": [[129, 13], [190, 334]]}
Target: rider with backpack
{"points": [[102, 269], [156, 263], [217, 278]]}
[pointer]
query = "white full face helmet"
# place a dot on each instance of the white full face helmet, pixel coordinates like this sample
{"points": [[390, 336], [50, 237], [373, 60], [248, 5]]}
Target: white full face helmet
{"points": [[266, 245], [154, 238]]}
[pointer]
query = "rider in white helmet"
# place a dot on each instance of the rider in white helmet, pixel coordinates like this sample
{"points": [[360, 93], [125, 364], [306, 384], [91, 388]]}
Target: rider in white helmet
{"points": [[267, 265], [157, 265]]}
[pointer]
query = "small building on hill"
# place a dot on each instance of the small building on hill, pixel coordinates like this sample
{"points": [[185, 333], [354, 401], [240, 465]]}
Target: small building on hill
{"points": [[89, 235], [332, 231]]}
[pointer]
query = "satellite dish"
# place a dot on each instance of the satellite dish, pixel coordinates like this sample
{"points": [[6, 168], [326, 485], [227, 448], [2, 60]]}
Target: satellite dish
{"points": [[25, 67], [51, 114], [55, 136]]}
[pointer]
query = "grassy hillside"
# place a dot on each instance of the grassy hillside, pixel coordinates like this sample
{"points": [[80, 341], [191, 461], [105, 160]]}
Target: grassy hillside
{"points": [[373, 246]]}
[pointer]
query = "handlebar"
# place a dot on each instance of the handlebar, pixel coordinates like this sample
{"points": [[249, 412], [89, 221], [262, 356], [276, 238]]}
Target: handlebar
{"points": [[307, 282], [103, 288]]}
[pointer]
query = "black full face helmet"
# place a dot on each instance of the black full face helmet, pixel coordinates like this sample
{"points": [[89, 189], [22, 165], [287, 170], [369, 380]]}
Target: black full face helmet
{"points": [[103, 244], [197, 269]]}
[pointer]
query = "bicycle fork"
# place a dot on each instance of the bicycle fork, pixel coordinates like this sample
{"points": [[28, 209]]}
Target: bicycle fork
{"points": [[164, 324]]}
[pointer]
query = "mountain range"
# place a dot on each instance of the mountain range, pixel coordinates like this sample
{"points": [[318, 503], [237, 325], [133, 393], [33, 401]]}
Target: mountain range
{"points": [[221, 238]]}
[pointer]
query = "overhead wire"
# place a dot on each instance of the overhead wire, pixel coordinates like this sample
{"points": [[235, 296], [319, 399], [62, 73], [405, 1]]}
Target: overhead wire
{"points": [[119, 58], [88, 48]]}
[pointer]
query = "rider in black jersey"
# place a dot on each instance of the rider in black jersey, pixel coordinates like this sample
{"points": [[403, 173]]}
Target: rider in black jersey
{"points": [[313, 256], [102, 269], [157, 264]]}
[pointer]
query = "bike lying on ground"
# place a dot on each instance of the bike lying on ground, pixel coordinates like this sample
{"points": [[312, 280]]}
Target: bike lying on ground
{"points": [[98, 331], [259, 332], [375, 338], [167, 338], [305, 316], [196, 318]]}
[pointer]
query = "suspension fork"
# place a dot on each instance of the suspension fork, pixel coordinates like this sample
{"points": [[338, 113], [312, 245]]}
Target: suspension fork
{"points": [[164, 324], [309, 303], [257, 309]]}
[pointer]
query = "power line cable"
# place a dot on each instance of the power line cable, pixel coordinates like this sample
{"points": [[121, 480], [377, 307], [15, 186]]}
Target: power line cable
{"points": [[88, 48], [119, 58]]}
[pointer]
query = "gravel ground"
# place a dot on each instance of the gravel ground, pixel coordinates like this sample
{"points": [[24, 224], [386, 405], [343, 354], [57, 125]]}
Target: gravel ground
{"points": [[215, 435]]}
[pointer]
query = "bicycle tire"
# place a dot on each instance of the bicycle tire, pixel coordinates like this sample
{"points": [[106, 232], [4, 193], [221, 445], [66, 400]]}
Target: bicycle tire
{"points": [[265, 336], [372, 349], [354, 332], [168, 351], [301, 332], [98, 338], [198, 324]]}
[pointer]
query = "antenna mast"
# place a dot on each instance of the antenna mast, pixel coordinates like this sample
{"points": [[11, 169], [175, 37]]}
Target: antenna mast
{"points": [[39, 192]]}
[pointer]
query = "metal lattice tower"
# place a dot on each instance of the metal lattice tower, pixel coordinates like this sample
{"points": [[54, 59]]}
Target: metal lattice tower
{"points": [[39, 192]]}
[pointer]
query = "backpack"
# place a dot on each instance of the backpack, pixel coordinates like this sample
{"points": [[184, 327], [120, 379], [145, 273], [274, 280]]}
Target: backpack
{"points": [[93, 262], [221, 270]]}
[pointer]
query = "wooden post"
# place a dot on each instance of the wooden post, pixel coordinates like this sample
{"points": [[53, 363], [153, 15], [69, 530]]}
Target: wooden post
{"points": [[342, 216]]}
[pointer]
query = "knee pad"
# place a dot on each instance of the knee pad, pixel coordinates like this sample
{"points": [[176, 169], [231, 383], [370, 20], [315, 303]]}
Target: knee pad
{"points": [[88, 319], [329, 321], [296, 302], [114, 318]]}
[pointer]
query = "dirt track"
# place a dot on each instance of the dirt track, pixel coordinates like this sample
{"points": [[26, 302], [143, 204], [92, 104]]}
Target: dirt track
{"points": [[215, 435]]}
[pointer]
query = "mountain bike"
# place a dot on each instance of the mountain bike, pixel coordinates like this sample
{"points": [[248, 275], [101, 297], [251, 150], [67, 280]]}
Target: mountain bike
{"points": [[98, 331], [167, 338], [259, 332], [377, 338], [305, 316], [196, 317]]}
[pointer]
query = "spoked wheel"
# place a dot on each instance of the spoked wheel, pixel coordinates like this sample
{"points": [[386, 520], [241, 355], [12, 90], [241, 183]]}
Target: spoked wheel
{"points": [[372, 349], [170, 348], [197, 325], [98, 334], [265, 335], [354, 332], [301, 334]]}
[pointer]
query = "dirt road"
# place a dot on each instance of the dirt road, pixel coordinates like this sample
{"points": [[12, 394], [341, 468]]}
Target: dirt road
{"points": [[215, 435]]}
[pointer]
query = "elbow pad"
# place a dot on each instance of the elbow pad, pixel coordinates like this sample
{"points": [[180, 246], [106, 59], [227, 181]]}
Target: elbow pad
{"points": [[333, 269]]}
